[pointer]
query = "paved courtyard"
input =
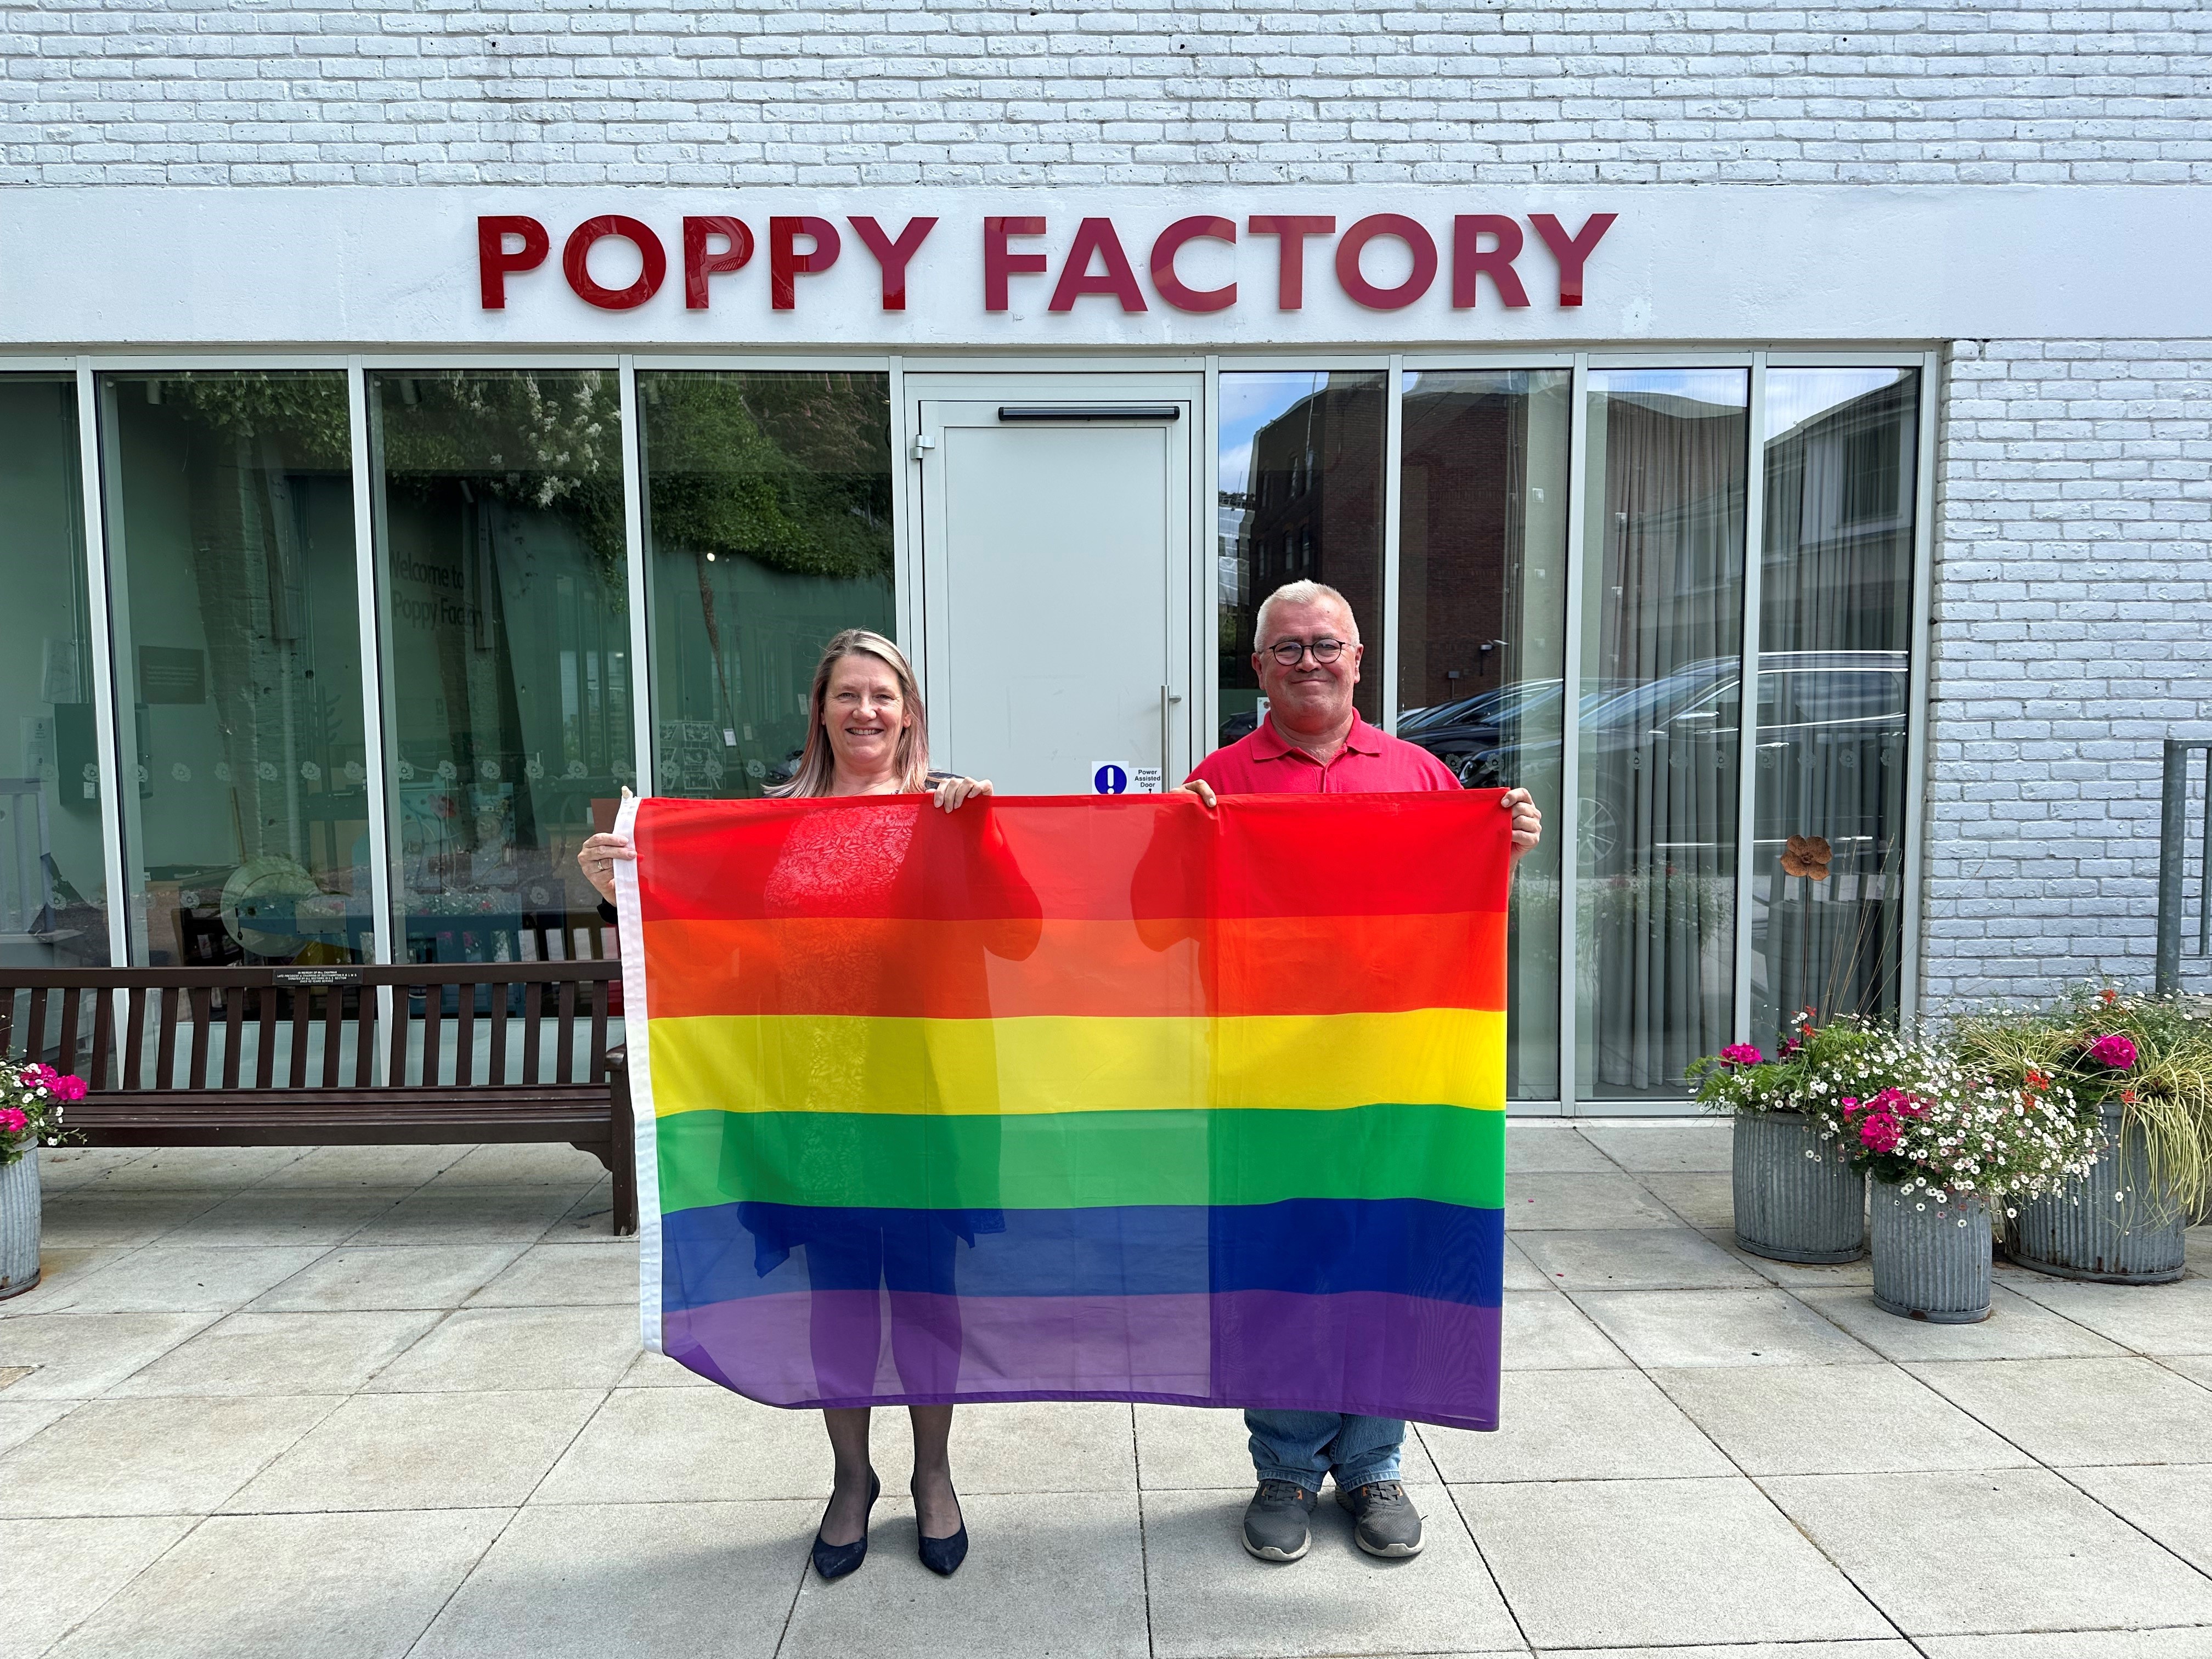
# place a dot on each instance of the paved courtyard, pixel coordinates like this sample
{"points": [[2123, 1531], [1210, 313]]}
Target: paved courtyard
{"points": [[300, 1403]]}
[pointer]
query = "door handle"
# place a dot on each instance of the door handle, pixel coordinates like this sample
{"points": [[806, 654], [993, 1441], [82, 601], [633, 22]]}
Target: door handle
{"points": [[1169, 698]]}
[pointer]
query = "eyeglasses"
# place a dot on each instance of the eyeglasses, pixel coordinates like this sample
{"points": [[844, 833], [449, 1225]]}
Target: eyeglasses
{"points": [[1291, 653]]}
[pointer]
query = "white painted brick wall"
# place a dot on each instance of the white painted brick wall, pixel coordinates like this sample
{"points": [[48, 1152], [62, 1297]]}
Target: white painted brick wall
{"points": [[1139, 91], [2073, 634]]}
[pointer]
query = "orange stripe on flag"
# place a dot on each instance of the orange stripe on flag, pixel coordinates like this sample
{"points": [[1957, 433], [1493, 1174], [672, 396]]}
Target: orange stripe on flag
{"points": [[894, 968]]}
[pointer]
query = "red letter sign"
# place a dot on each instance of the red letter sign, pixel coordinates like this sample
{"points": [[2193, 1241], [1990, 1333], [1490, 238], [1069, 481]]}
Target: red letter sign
{"points": [[496, 262], [1117, 281], [1409, 232], [699, 264], [1171, 287], [1471, 260], [785, 263], [1571, 250], [999, 264], [653, 261], [893, 256], [1291, 268]]}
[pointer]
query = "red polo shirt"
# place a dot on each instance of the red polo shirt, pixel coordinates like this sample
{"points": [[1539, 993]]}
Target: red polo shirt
{"points": [[1371, 762]]}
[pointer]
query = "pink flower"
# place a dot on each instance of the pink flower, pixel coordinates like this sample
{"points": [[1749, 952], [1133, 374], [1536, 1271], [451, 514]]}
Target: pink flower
{"points": [[42, 1076], [68, 1086], [1879, 1132], [2115, 1051], [1742, 1054], [13, 1121]]}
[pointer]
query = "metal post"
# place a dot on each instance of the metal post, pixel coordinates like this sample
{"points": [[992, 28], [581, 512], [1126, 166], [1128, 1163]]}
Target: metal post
{"points": [[638, 577], [2173, 847], [1393, 451], [1567, 824], [1746, 707]]}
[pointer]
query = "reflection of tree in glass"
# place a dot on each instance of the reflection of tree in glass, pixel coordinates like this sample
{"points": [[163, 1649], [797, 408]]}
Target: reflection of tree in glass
{"points": [[790, 471]]}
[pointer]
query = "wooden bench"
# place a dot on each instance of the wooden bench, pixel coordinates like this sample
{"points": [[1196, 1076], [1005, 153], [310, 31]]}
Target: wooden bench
{"points": [[278, 1056]]}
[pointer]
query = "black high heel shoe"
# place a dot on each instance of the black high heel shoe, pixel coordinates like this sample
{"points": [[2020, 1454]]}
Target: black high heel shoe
{"points": [[943, 1556], [835, 1560]]}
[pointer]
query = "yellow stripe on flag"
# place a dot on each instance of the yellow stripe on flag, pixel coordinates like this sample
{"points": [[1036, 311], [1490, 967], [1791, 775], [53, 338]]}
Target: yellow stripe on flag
{"points": [[1057, 1063]]}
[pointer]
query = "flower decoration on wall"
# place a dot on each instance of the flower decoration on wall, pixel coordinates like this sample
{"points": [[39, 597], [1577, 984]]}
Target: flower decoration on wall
{"points": [[1807, 856]]}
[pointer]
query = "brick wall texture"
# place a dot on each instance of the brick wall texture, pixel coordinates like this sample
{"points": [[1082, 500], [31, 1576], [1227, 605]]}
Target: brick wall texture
{"points": [[2073, 604]]}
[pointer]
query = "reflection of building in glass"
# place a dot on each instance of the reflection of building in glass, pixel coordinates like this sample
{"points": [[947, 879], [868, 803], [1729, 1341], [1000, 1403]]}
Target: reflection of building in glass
{"points": [[1311, 509]]}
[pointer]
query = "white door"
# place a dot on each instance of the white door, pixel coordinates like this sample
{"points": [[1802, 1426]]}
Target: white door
{"points": [[1056, 578]]}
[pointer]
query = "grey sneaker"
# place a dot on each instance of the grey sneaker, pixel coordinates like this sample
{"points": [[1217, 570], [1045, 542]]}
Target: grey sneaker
{"points": [[1275, 1521], [1390, 1525]]}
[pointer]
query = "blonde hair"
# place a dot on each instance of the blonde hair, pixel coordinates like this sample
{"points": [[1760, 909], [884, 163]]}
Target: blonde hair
{"points": [[1301, 592], [818, 767]]}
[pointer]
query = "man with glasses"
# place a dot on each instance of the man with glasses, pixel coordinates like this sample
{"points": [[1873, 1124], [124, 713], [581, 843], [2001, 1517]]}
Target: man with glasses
{"points": [[1313, 742]]}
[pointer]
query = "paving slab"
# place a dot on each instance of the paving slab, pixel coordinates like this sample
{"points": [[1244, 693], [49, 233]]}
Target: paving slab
{"points": [[2153, 1318], [1190, 1447], [2016, 1329], [291, 1587], [1211, 1601], [165, 1456], [1015, 1446], [691, 1445], [262, 1215], [567, 1275], [22, 1418], [1520, 1273], [484, 1348], [166, 1277], [2187, 1643], [1543, 1331], [96, 1214], [1701, 1199], [1705, 1147], [1534, 1148], [1662, 1328], [1043, 1577], [212, 1170], [62, 1267], [1893, 1648], [524, 1164], [2067, 1412], [60, 1571], [410, 1451], [75, 1356], [259, 1353], [359, 1277], [658, 1370], [1578, 1425], [1635, 1259], [1796, 1276], [61, 1168], [446, 1215], [1794, 1420], [590, 1218], [399, 1170], [1991, 1553], [677, 1581], [2172, 1502], [1629, 1563], [1536, 1202]]}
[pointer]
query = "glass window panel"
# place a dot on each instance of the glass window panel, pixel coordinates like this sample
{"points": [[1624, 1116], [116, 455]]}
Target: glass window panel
{"points": [[769, 518], [54, 886], [1482, 540], [237, 650], [1662, 644], [500, 547], [1301, 499], [1835, 635]]}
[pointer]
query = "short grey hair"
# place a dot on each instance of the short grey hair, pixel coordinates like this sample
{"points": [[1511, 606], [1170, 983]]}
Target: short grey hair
{"points": [[1302, 593]]}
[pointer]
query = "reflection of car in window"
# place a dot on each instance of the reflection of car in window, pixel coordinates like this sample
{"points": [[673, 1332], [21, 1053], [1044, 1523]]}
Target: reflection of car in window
{"points": [[1823, 718]]}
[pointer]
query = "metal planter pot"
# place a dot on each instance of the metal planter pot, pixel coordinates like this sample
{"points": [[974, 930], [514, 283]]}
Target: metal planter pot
{"points": [[2085, 1231], [1795, 1199], [1927, 1265], [18, 1224]]}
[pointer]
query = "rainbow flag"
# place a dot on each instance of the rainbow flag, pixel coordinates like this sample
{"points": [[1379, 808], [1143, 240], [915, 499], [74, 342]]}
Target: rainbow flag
{"points": [[1074, 1098]]}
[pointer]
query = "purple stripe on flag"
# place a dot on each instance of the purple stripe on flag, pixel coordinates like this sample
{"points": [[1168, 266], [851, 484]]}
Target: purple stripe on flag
{"points": [[1374, 1353]]}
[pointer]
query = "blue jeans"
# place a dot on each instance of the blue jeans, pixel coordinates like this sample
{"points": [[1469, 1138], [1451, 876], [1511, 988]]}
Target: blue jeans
{"points": [[1301, 1447]]}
